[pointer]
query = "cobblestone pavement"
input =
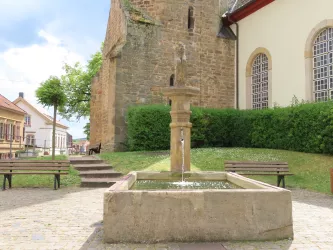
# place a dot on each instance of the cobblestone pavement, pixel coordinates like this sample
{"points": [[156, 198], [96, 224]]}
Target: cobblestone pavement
{"points": [[70, 218]]}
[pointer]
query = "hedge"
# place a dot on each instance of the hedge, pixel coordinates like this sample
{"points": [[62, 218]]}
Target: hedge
{"points": [[303, 127]]}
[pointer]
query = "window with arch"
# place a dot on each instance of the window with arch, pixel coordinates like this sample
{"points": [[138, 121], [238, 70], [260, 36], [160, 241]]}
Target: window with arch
{"points": [[323, 66], [172, 80], [190, 18], [259, 82]]}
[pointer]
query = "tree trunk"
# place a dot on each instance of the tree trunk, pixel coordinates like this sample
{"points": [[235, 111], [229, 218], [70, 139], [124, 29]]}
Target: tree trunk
{"points": [[54, 129]]}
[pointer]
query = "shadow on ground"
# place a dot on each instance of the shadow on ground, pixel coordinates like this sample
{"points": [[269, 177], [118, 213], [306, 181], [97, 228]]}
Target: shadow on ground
{"points": [[9, 198], [312, 198], [95, 241]]}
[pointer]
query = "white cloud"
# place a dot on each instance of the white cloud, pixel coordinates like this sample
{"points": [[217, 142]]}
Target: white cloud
{"points": [[37, 62], [86, 46], [23, 69], [18, 10]]}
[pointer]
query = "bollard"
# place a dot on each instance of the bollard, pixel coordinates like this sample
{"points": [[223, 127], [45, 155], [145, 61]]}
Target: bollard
{"points": [[332, 180]]}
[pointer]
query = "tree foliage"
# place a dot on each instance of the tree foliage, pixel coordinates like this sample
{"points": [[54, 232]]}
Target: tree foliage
{"points": [[77, 87], [51, 93], [87, 130]]}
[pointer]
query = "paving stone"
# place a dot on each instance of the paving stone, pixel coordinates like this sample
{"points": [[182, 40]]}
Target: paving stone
{"points": [[71, 218], [200, 246]]}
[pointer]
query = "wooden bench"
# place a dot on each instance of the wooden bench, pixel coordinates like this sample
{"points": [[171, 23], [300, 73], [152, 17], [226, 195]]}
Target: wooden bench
{"points": [[96, 148], [279, 169], [8, 168]]}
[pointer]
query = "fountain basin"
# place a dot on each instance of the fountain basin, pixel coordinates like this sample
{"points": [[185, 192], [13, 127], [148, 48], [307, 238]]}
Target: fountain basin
{"points": [[255, 211]]}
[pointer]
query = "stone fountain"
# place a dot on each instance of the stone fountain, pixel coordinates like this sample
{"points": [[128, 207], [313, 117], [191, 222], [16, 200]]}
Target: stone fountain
{"points": [[180, 95], [239, 209]]}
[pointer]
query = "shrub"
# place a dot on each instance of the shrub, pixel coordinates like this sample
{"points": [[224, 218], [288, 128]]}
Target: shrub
{"points": [[148, 127], [302, 127]]}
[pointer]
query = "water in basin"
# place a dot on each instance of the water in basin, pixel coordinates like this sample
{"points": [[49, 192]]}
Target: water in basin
{"points": [[164, 184]]}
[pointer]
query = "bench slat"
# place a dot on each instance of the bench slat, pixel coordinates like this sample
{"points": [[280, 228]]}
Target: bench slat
{"points": [[255, 165], [34, 168], [256, 162], [259, 169], [37, 161], [272, 174], [29, 173], [33, 165]]}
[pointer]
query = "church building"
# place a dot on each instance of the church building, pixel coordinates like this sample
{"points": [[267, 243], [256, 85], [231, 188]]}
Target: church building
{"points": [[245, 54]]}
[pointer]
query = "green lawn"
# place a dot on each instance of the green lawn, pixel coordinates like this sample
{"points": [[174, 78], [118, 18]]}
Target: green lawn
{"points": [[311, 171], [72, 179]]}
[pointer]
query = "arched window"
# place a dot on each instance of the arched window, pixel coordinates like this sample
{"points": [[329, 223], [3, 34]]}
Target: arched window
{"points": [[190, 18], [172, 80], [323, 66], [259, 82]]}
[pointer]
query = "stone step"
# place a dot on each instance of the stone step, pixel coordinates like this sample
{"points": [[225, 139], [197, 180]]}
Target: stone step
{"points": [[85, 161], [98, 182], [92, 167], [100, 174]]}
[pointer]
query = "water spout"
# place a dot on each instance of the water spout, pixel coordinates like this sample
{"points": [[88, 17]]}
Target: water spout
{"points": [[183, 150], [183, 183]]}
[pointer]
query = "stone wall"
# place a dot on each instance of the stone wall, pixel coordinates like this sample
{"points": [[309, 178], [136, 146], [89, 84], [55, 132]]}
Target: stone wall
{"points": [[140, 57]]}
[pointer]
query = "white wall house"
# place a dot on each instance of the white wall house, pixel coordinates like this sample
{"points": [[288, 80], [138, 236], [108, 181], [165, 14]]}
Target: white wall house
{"points": [[285, 50], [38, 128]]}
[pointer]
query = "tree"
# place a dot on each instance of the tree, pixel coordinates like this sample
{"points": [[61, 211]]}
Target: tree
{"points": [[51, 93], [87, 130], [77, 87]]}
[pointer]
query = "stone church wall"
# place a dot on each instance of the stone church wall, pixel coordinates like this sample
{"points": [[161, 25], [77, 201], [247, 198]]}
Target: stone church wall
{"points": [[142, 59]]}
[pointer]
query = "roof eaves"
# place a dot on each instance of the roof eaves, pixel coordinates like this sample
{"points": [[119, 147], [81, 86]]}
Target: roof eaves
{"points": [[243, 11], [16, 109], [226, 33], [46, 117], [243, 5]]}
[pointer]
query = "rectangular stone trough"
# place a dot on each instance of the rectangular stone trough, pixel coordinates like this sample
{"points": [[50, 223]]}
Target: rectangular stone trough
{"points": [[256, 211]]}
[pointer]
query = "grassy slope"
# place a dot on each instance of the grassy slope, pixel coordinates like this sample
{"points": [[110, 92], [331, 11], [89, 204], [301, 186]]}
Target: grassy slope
{"points": [[72, 179], [311, 171]]}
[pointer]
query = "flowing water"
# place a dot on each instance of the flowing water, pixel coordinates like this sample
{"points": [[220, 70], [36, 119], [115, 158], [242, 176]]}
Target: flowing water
{"points": [[182, 184]]}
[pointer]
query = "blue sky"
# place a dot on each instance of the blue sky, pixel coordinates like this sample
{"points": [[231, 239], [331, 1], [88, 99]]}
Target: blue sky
{"points": [[39, 36]]}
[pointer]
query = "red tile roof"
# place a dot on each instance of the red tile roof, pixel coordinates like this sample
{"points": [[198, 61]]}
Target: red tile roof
{"points": [[5, 103], [39, 110]]}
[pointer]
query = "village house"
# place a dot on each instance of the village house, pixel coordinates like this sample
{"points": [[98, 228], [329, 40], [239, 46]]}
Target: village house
{"points": [[243, 54], [80, 146], [11, 128], [38, 129]]}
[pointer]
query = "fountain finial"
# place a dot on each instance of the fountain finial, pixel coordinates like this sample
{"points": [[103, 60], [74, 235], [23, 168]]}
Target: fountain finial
{"points": [[181, 65]]}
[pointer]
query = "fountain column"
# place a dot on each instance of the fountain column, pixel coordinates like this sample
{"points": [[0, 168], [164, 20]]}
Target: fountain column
{"points": [[180, 96]]}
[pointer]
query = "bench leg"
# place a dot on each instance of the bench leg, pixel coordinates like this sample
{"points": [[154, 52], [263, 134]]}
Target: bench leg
{"points": [[9, 178], [281, 178], [4, 183], [10, 181], [278, 180], [55, 182], [58, 179]]}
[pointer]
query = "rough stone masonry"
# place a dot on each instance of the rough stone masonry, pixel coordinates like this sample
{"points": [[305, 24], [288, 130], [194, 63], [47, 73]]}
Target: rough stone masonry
{"points": [[139, 60]]}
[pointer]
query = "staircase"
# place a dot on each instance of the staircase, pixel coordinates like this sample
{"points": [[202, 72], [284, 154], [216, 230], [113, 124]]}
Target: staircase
{"points": [[94, 172]]}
